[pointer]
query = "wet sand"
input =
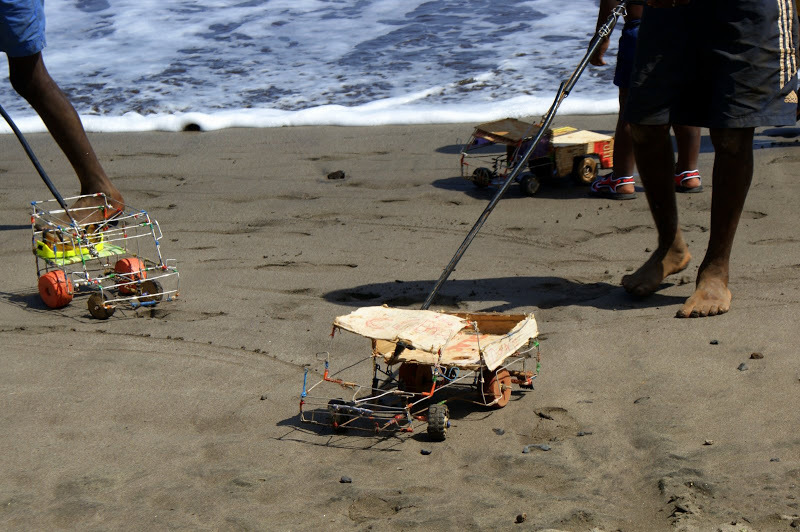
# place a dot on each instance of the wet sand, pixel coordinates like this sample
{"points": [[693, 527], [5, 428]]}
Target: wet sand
{"points": [[185, 416]]}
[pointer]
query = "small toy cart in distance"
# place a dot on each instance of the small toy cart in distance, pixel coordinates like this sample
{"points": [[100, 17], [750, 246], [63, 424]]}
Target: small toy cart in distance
{"points": [[118, 261], [421, 360], [561, 153]]}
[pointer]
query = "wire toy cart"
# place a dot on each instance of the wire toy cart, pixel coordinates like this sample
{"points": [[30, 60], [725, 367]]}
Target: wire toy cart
{"points": [[117, 260], [421, 360]]}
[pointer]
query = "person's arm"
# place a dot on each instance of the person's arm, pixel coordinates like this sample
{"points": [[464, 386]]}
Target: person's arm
{"points": [[606, 8]]}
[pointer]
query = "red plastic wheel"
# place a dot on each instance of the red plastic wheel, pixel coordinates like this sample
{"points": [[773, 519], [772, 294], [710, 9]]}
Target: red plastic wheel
{"points": [[130, 271], [497, 386], [55, 289]]}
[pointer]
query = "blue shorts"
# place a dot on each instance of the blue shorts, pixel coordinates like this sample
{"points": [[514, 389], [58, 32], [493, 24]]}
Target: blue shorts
{"points": [[21, 27], [626, 53], [716, 64]]}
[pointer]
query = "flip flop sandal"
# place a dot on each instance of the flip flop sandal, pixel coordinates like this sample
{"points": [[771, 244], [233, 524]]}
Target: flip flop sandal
{"points": [[606, 187], [681, 178]]}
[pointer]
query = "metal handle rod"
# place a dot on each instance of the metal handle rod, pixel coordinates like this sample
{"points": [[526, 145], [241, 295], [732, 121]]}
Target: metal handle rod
{"points": [[59, 198], [563, 91]]}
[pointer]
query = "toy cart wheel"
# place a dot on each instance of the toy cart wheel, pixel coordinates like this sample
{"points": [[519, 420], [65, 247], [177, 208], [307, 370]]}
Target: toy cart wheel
{"points": [[584, 170], [55, 289], [337, 418], [530, 184], [482, 177], [129, 271], [438, 422], [150, 290], [98, 307], [497, 387]]}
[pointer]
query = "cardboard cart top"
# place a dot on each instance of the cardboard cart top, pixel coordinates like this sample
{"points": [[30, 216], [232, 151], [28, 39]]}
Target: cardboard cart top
{"points": [[441, 338], [505, 131]]}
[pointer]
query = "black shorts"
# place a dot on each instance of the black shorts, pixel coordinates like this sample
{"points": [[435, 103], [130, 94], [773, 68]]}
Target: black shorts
{"points": [[626, 53], [717, 64]]}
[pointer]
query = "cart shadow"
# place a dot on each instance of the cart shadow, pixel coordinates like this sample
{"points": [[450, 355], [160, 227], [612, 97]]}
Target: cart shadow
{"points": [[511, 292], [30, 301], [551, 189], [326, 436], [15, 227], [322, 434]]}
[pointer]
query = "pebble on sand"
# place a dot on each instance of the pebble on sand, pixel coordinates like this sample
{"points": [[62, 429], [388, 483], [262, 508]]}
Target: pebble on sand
{"points": [[345, 480], [338, 174], [742, 367], [540, 446], [756, 356]]}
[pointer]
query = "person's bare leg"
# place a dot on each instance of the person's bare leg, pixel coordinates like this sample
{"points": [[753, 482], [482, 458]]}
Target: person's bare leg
{"points": [[624, 163], [652, 147], [688, 140], [733, 172], [30, 79]]}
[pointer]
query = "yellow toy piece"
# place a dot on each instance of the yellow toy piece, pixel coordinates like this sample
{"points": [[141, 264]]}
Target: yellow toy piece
{"points": [[51, 247]]}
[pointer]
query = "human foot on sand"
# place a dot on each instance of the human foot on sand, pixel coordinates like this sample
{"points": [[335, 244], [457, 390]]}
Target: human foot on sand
{"points": [[661, 263], [711, 297], [92, 210], [99, 207]]}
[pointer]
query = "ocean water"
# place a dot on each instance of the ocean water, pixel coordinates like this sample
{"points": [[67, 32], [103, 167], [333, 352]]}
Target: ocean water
{"points": [[136, 65]]}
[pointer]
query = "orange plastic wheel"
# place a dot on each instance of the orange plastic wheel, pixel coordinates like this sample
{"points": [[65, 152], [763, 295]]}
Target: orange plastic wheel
{"points": [[55, 289], [130, 271], [497, 387]]}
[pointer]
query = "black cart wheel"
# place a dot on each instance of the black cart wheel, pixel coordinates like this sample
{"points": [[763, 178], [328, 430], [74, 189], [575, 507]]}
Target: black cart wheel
{"points": [[438, 422], [530, 184], [584, 170], [98, 307], [482, 177], [150, 290]]}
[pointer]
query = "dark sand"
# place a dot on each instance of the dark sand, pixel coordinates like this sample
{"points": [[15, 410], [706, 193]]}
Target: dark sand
{"points": [[185, 417]]}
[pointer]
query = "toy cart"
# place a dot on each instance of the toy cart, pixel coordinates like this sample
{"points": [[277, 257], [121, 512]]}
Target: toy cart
{"points": [[117, 261], [561, 153], [421, 360]]}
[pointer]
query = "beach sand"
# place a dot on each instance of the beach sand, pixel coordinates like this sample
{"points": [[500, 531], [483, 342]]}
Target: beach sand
{"points": [[185, 416]]}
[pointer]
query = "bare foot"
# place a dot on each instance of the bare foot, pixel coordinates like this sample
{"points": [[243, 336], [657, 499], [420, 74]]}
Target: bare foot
{"points": [[687, 183], [95, 209], [648, 277], [89, 212], [711, 297], [626, 189]]}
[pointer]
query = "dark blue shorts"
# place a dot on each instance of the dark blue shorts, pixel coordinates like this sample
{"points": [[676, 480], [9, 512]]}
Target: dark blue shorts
{"points": [[626, 53], [717, 64], [21, 27]]}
